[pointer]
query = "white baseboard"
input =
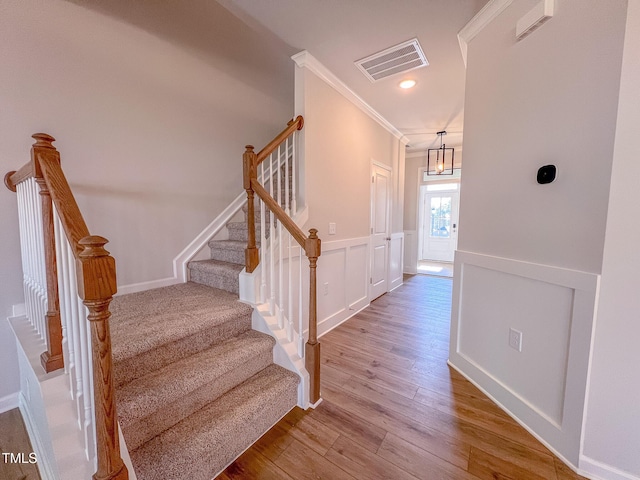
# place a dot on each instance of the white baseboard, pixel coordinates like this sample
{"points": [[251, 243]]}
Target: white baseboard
{"points": [[518, 420], [142, 286], [595, 470], [9, 402]]}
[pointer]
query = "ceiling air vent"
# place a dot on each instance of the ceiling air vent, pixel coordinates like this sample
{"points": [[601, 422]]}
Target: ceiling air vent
{"points": [[398, 59]]}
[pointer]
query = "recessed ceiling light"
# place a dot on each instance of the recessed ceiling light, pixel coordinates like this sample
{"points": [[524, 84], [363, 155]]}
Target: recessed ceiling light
{"points": [[407, 83]]}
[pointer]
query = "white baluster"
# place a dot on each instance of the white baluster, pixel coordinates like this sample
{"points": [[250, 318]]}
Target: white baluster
{"points": [[280, 242], [272, 239], [62, 289], [289, 292], [300, 317], [263, 244], [294, 205]]}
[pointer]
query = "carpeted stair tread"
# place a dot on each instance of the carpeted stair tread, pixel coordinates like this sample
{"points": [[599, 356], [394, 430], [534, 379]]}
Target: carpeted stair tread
{"points": [[238, 231], [204, 443], [153, 328], [151, 404], [231, 251], [216, 274]]}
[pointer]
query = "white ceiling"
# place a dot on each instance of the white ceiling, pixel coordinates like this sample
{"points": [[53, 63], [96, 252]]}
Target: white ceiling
{"points": [[339, 32], [335, 32]]}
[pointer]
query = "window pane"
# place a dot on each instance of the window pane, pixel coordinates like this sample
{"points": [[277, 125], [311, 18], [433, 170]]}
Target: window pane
{"points": [[440, 217]]}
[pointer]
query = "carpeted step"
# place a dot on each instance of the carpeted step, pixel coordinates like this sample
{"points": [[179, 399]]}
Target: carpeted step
{"points": [[238, 231], [152, 404], [230, 251], [154, 328], [204, 443], [216, 274]]}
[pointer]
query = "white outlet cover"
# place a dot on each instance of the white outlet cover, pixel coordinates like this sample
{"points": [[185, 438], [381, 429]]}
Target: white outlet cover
{"points": [[515, 339]]}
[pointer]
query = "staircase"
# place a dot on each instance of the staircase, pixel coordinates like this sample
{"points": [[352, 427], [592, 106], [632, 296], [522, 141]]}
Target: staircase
{"points": [[195, 386], [226, 259], [178, 368]]}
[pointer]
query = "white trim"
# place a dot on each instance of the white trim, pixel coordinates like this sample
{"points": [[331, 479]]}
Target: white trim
{"points": [[490, 11], [595, 470], [46, 465], [410, 257], [563, 434], [181, 261], [305, 59], [9, 402], [142, 286], [394, 283], [579, 471], [18, 310], [351, 306]]}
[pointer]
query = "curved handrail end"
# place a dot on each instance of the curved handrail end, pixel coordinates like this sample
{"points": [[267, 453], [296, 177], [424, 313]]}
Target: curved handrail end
{"points": [[8, 183]]}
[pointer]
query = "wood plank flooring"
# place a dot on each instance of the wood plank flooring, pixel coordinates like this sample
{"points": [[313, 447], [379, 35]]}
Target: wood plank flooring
{"points": [[393, 409], [15, 440]]}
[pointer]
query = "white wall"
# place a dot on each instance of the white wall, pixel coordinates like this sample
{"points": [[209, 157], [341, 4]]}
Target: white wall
{"points": [[151, 130], [550, 98], [531, 254], [612, 427], [340, 141]]}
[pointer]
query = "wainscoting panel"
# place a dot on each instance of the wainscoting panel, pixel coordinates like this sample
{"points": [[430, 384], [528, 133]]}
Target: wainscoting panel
{"points": [[543, 385], [343, 281], [410, 251], [396, 253]]}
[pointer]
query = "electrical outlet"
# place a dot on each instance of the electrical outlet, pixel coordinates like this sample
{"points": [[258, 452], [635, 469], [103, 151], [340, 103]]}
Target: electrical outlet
{"points": [[515, 339], [325, 288]]}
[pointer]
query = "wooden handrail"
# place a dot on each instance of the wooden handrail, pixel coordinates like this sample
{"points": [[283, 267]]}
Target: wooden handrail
{"points": [[96, 277], [12, 179], [311, 244], [292, 126], [279, 212]]}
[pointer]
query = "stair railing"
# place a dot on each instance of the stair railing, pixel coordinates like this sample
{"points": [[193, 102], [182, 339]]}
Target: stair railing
{"points": [[281, 282], [69, 275]]}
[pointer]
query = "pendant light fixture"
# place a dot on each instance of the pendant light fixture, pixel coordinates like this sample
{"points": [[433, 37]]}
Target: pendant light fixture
{"points": [[440, 160]]}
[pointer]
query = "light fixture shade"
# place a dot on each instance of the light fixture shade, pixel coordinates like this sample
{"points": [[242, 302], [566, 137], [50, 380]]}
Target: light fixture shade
{"points": [[440, 161]]}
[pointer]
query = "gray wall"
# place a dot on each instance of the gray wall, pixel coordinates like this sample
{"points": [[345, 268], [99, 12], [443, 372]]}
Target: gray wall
{"points": [[151, 123], [534, 252], [612, 427]]}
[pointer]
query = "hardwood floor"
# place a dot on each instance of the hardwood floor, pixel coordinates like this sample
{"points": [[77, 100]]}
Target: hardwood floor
{"points": [[15, 440], [393, 409]]}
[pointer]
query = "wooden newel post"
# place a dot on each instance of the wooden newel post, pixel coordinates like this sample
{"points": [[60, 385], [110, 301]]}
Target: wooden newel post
{"points": [[312, 351], [51, 359], [250, 164], [96, 271]]}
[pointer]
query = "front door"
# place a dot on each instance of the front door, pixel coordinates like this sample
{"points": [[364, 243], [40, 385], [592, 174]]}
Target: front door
{"points": [[380, 230], [439, 224]]}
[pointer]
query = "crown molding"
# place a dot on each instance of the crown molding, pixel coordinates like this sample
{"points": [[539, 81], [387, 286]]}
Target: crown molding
{"points": [[306, 60], [490, 11]]}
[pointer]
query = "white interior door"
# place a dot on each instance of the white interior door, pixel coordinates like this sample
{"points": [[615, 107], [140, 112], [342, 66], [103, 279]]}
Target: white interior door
{"points": [[380, 230], [438, 224]]}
